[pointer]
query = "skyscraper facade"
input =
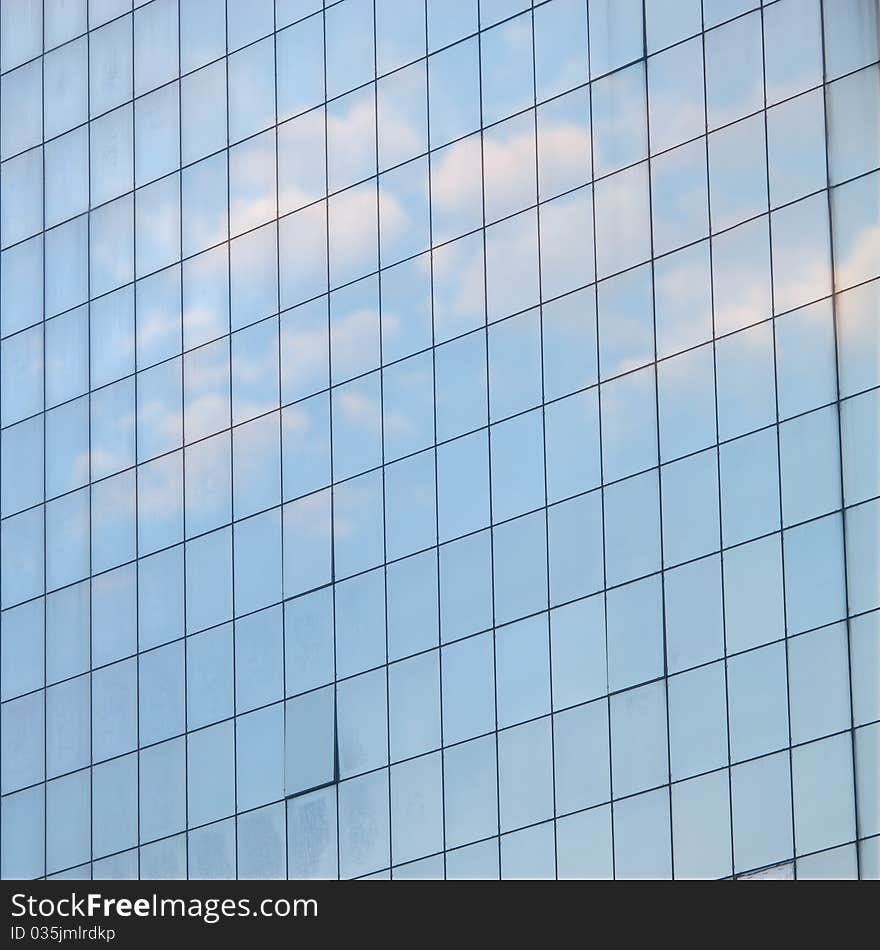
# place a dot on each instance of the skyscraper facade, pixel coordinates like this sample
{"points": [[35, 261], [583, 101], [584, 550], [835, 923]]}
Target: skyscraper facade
{"points": [[440, 438]]}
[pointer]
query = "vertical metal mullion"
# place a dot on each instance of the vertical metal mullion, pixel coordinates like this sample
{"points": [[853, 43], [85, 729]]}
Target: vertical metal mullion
{"points": [[183, 446], [544, 439], [430, 256], [382, 433], [491, 528], [137, 552], [231, 454], [840, 454], [89, 305], [336, 772], [599, 387], [717, 439], [45, 553], [655, 368], [778, 448], [280, 436]]}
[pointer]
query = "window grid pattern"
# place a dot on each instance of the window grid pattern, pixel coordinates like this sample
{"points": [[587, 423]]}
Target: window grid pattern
{"points": [[439, 440]]}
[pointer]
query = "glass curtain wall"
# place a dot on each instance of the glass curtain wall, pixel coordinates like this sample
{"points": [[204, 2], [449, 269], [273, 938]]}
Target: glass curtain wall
{"points": [[440, 439]]}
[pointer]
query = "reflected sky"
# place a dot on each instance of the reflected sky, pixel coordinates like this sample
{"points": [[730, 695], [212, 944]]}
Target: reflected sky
{"points": [[543, 331]]}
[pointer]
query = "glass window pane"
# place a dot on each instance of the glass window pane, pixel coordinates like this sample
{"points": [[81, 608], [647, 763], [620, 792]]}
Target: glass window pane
{"points": [[251, 84], [680, 209], [560, 47], [155, 45], [793, 45], [507, 75], [202, 37], [65, 86], [414, 706], [761, 806], [616, 34], [635, 633], [525, 774], [796, 148], [642, 848], [620, 134], [300, 64], [350, 45], [454, 75], [638, 739], [697, 721], [850, 37], [309, 741], [734, 55], [203, 111], [622, 214]]}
